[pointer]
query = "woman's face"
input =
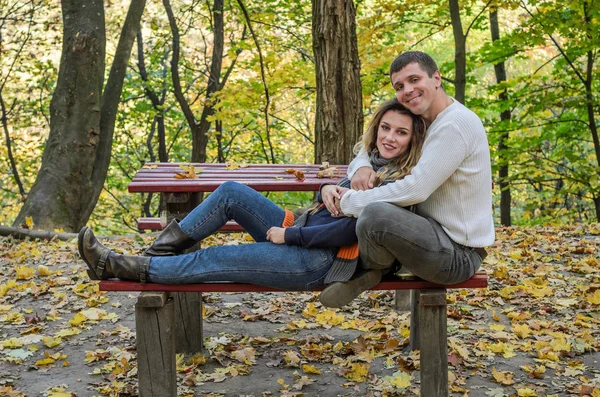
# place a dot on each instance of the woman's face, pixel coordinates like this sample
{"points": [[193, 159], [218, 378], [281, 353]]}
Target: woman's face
{"points": [[394, 134]]}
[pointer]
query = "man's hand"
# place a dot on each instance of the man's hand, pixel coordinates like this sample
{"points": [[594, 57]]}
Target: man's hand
{"points": [[331, 195], [363, 179], [276, 235]]}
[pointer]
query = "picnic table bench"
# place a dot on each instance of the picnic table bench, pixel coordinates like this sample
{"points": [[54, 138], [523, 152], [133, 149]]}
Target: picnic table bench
{"points": [[169, 317]]}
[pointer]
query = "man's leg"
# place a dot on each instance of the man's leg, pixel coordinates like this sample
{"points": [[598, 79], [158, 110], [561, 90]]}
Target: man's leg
{"points": [[387, 232]]}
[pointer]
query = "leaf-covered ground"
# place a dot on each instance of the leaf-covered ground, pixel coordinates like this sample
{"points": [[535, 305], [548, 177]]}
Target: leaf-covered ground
{"points": [[534, 332]]}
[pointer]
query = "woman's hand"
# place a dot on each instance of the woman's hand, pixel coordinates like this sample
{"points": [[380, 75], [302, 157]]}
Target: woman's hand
{"points": [[331, 195], [363, 179], [276, 235]]}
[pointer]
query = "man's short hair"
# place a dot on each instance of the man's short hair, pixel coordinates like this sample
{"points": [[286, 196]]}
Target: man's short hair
{"points": [[423, 60]]}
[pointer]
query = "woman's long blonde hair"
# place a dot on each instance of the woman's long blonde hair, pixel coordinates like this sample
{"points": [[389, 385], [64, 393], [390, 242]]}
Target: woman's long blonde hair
{"points": [[404, 163]]}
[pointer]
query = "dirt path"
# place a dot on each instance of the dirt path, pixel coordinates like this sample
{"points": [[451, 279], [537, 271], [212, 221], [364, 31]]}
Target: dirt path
{"points": [[534, 332]]}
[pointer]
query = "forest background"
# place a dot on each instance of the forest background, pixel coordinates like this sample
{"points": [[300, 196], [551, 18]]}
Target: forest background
{"points": [[91, 91]]}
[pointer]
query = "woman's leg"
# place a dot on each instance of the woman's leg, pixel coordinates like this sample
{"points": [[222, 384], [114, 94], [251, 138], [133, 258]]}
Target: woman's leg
{"points": [[274, 265], [233, 201]]}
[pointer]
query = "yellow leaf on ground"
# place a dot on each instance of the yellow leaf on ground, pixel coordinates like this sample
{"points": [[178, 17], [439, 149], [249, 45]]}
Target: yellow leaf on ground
{"points": [[310, 310], [358, 372], [12, 343], [51, 342], [45, 361], [311, 369], [59, 392], [526, 392], [77, 319], [291, 358], [29, 222], [44, 271], [521, 330], [503, 377], [461, 350], [400, 380], [560, 344], [24, 272], [329, 317], [594, 298]]}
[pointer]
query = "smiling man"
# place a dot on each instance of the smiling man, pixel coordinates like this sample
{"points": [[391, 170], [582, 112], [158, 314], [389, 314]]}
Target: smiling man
{"points": [[451, 185]]}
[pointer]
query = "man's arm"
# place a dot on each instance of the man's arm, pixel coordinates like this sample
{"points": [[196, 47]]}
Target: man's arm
{"points": [[361, 173], [361, 160]]}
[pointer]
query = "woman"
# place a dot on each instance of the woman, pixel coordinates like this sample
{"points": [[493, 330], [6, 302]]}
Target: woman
{"points": [[302, 254]]}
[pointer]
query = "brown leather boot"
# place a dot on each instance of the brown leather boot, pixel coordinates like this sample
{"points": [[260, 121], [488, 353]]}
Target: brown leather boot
{"points": [[103, 263], [171, 241]]}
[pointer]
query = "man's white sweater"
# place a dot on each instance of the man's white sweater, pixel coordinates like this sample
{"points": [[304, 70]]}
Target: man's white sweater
{"points": [[452, 182]]}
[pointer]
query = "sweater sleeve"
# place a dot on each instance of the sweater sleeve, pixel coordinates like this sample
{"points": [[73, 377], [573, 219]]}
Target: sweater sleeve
{"points": [[361, 160], [442, 155], [340, 233]]}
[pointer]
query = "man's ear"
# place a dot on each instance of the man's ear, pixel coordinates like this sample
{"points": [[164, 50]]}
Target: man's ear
{"points": [[438, 78]]}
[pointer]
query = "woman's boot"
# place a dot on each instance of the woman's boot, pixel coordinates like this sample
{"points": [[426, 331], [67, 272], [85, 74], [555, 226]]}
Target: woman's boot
{"points": [[171, 241], [103, 263]]}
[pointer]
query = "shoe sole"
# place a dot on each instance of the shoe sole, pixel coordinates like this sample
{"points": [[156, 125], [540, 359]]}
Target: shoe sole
{"points": [[90, 271]]}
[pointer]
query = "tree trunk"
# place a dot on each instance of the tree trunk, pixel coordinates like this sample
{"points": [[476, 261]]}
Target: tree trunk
{"points": [[64, 185], [78, 150], [500, 70], [200, 139], [157, 103], [339, 117], [589, 96], [460, 52]]}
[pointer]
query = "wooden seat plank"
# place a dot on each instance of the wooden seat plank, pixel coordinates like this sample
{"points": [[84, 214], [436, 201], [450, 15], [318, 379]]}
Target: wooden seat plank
{"points": [[479, 280]]}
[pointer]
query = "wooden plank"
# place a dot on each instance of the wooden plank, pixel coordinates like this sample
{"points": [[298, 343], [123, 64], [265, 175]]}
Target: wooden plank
{"points": [[199, 185], [479, 280], [188, 325], [415, 329], [433, 343], [262, 177], [402, 300], [146, 223], [155, 337], [152, 299]]}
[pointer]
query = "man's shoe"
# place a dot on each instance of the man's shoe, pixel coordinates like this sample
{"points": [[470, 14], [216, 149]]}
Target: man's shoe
{"points": [[103, 263], [342, 293], [171, 241]]}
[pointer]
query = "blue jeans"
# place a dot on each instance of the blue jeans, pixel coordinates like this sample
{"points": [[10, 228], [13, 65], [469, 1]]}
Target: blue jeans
{"points": [[281, 266]]}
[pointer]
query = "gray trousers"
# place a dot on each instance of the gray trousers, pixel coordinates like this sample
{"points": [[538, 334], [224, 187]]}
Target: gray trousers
{"points": [[387, 233]]}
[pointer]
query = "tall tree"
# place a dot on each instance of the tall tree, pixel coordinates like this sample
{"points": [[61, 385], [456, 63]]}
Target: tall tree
{"points": [[505, 115], [82, 118], [460, 47], [338, 115]]}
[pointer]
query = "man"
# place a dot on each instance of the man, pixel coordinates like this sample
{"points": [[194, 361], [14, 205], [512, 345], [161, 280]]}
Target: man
{"points": [[444, 240]]}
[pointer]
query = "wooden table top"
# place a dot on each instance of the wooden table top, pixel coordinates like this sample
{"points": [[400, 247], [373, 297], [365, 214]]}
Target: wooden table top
{"points": [[206, 177]]}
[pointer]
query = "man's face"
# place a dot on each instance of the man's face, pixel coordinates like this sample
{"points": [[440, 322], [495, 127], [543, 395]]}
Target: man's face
{"points": [[415, 89]]}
